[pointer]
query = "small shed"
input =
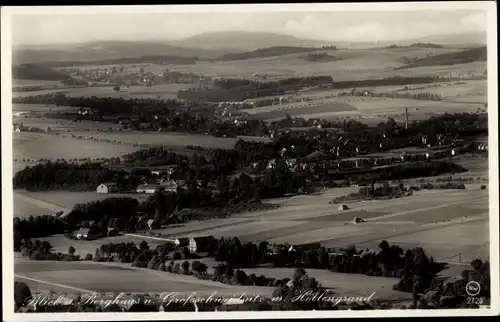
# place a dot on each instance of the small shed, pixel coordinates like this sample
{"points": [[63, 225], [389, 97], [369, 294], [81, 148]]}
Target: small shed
{"points": [[343, 207], [112, 232], [200, 244], [107, 187], [358, 220]]}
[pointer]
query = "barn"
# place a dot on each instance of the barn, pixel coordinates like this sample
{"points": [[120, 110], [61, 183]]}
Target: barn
{"points": [[107, 187]]}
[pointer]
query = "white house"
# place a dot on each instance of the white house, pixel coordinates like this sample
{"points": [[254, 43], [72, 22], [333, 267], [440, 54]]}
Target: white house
{"points": [[107, 187]]}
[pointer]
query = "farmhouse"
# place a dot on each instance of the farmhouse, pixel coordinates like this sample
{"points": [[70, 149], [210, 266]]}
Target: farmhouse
{"points": [[16, 127], [152, 224], [181, 242], [200, 244], [107, 187], [112, 232], [304, 247], [148, 188], [343, 207], [86, 233]]}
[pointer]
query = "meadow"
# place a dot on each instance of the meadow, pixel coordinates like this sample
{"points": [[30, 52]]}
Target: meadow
{"points": [[164, 91], [35, 146], [360, 106], [303, 219], [33, 82], [50, 202]]}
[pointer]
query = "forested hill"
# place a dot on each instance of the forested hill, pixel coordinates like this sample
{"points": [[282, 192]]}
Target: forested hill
{"points": [[461, 57], [160, 60], [266, 52], [31, 71]]}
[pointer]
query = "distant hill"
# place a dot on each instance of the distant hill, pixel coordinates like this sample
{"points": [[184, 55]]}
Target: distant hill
{"points": [[474, 39], [29, 71], [245, 41], [157, 60], [461, 57], [266, 52], [106, 50], [416, 45]]}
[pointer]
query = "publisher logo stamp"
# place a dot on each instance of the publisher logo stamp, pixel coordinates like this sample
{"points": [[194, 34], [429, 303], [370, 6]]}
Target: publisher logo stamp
{"points": [[472, 288]]}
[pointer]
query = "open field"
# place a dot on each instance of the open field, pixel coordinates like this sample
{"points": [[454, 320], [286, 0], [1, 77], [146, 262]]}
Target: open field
{"points": [[361, 106], [49, 202], [305, 219], [164, 91], [410, 225], [33, 82], [20, 108], [36, 146], [110, 277], [164, 138], [354, 64]]}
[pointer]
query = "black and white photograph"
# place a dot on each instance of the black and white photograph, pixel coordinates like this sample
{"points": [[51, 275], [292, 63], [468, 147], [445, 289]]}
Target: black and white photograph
{"points": [[286, 160]]}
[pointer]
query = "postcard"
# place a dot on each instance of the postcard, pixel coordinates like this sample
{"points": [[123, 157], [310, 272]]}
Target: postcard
{"points": [[182, 162]]}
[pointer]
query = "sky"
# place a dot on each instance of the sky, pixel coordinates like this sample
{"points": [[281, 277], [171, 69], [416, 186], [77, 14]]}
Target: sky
{"points": [[37, 29]]}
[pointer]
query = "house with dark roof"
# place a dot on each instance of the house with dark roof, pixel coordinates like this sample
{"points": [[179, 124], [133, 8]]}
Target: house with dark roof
{"points": [[112, 232], [152, 224], [181, 242], [86, 234], [148, 188], [200, 244]]}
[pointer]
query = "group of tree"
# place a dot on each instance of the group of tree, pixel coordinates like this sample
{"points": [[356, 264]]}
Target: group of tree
{"points": [[461, 57], [321, 57], [75, 176], [37, 227]]}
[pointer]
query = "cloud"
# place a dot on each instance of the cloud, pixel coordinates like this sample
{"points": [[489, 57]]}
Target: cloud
{"points": [[475, 21]]}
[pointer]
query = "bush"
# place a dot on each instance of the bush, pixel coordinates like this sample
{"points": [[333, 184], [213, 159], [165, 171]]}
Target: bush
{"points": [[483, 187]]}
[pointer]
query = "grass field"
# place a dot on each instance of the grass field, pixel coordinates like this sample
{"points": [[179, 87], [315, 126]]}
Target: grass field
{"points": [[305, 219], [109, 277], [164, 91], [32, 82], [49, 202], [360, 106], [462, 214], [355, 64], [169, 139], [36, 146]]}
